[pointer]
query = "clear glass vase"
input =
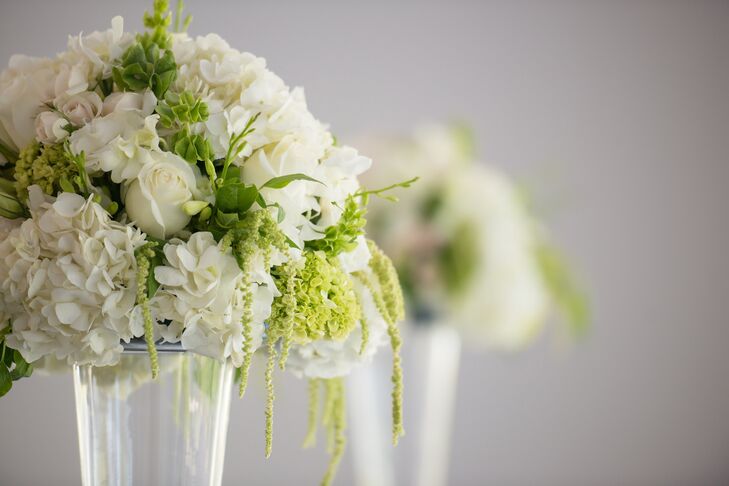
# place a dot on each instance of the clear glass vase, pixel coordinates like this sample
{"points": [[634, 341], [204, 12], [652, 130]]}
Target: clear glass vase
{"points": [[171, 431]]}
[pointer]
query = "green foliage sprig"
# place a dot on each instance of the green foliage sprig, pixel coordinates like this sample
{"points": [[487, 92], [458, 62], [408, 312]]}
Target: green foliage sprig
{"points": [[565, 292], [342, 236], [149, 63], [192, 147], [158, 23], [183, 109], [146, 67]]}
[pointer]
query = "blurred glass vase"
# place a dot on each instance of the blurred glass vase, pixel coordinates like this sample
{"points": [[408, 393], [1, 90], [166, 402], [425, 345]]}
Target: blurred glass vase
{"points": [[137, 430]]}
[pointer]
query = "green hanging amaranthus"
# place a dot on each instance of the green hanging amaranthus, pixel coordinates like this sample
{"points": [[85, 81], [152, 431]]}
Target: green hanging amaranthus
{"points": [[387, 296]]}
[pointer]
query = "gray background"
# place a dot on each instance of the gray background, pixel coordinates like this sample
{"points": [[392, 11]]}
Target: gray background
{"points": [[615, 113]]}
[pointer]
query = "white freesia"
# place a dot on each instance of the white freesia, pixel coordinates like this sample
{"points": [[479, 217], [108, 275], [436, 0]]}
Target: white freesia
{"points": [[50, 127], [80, 108], [155, 198], [70, 286]]}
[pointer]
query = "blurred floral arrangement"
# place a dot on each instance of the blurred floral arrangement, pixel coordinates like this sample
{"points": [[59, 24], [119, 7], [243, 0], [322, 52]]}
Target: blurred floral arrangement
{"points": [[172, 188], [467, 247]]}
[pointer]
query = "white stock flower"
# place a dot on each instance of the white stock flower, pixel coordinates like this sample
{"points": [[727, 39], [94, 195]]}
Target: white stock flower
{"points": [[201, 294], [101, 49], [154, 199], [71, 276], [120, 142]]}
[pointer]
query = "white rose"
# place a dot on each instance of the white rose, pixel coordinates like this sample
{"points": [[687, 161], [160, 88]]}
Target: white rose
{"points": [[125, 101], [154, 200], [25, 86], [50, 127], [80, 108]]}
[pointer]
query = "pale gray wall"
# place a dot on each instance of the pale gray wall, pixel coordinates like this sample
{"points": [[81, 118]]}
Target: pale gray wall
{"points": [[616, 113]]}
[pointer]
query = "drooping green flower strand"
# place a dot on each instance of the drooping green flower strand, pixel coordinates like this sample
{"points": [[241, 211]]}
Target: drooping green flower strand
{"points": [[395, 344], [246, 321], [384, 270], [270, 395], [288, 312], [335, 389], [143, 256], [310, 438], [364, 326]]}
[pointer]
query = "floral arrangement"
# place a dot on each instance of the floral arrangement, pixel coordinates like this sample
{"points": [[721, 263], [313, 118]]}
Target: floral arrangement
{"points": [[468, 249], [172, 188]]}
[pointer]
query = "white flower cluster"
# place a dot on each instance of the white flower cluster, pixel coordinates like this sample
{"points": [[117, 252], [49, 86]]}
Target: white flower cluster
{"points": [[68, 281], [462, 237], [68, 272]]}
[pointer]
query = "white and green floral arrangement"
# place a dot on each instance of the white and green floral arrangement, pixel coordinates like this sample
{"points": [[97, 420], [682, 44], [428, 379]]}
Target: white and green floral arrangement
{"points": [[469, 250], [174, 189]]}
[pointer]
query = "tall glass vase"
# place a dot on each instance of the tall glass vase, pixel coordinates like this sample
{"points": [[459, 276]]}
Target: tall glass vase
{"points": [[134, 430], [431, 365]]}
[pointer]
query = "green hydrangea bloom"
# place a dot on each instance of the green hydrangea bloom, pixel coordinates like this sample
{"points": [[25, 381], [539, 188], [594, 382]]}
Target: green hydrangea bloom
{"points": [[326, 304], [47, 166]]}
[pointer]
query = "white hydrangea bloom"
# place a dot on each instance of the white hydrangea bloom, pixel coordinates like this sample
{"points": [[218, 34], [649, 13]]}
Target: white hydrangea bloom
{"points": [[202, 297], [71, 281]]}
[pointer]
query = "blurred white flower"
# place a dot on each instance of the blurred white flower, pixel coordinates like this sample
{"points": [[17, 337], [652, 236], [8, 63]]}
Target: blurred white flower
{"points": [[461, 237]]}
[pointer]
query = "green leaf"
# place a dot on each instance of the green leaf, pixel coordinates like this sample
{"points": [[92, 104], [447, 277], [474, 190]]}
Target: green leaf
{"points": [[10, 207], [22, 368], [236, 198], [9, 154], [226, 220], [6, 382], [154, 262], [283, 181], [66, 185], [233, 173]]}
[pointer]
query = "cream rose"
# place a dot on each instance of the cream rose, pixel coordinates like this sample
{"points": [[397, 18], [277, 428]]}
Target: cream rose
{"points": [[50, 127], [125, 101], [80, 108], [154, 199]]}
